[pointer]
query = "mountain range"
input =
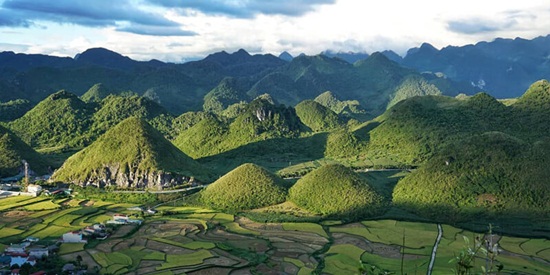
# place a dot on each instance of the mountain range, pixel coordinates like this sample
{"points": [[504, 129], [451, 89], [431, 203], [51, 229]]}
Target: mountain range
{"points": [[156, 125]]}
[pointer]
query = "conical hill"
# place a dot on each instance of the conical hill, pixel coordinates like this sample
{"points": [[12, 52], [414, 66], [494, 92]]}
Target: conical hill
{"points": [[248, 186], [59, 120], [337, 191], [131, 154], [13, 151]]}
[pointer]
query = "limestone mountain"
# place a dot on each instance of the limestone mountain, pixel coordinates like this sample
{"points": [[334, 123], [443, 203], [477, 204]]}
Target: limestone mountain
{"points": [[504, 67], [491, 174], [336, 191], [60, 120], [96, 93], [13, 151], [131, 154], [248, 186], [260, 120], [316, 116]]}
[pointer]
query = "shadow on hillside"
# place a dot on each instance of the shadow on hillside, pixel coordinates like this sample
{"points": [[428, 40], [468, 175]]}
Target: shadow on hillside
{"points": [[273, 154], [517, 222]]}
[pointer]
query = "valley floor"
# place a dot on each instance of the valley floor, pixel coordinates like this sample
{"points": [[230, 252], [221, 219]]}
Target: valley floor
{"points": [[189, 240]]}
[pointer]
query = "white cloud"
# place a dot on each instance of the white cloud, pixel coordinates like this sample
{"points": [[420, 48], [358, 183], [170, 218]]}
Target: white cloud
{"points": [[347, 25]]}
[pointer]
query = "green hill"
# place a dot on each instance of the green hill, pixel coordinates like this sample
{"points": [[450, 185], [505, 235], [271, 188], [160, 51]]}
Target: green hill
{"points": [[536, 97], [413, 85], [228, 92], [131, 154], [114, 109], [14, 109], [351, 108], [96, 93], [207, 137], [414, 129], [248, 186], [492, 173], [336, 191], [60, 120], [14, 151], [260, 120], [316, 116]]}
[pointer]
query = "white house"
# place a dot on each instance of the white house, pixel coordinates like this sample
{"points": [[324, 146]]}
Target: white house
{"points": [[34, 189], [120, 217], [39, 252], [17, 248], [73, 237]]}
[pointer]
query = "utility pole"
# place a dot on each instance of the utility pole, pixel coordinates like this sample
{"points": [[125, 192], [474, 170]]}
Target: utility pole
{"points": [[26, 172]]}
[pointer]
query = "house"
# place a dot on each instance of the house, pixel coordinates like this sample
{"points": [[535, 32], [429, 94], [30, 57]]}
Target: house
{"points": [[68, 268], [21, 259], [120, 217], [98, 227], [138, 222], [5, 260], [31, 239], [39, 252], [89, 230], [73, 237], [15, 271], [17, 248], [34, 189]]}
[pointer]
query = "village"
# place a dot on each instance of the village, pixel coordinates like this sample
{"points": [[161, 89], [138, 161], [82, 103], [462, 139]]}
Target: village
{"points": [[30, 252]]}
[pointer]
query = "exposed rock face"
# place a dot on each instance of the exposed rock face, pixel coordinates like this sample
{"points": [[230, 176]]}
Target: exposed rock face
{"points": [[113, 175]]}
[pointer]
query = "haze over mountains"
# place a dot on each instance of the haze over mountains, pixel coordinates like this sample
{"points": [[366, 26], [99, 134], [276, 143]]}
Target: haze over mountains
{"points": [[503, 68]]}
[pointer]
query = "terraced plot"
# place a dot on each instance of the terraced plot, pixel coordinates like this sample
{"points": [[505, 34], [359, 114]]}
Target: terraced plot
{"points": [[200, 241]]}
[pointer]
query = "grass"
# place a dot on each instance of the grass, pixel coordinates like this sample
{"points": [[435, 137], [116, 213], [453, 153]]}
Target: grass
{"points": [[416, 266], [533, 246], [7, 232], [67, 248], [195, 245], [113, 263], [306, 227], [343, 258], [195, 258], [420, 235], [236, 228], [295, 262], [155, 256], [18, 201], [53, 231], [43, 205]]}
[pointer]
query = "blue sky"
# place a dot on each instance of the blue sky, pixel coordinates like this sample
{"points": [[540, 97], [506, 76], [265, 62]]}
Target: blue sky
{"points": [[181, 30]]}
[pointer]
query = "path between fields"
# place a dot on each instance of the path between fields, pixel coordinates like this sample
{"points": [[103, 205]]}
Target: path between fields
{"points": [[432, 260]]}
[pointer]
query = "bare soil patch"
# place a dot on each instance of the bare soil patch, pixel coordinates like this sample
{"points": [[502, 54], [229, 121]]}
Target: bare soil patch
{"points": [[211, 271], [343, 238], [107, 246], [166, 248]]}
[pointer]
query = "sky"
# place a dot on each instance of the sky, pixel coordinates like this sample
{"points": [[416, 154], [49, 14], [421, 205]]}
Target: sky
{"points": [[184, 30]]}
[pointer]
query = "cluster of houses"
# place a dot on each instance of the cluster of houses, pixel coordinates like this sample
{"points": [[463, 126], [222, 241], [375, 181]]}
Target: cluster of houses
{"points": [[123, 219], [26, 252], [96, 231]]}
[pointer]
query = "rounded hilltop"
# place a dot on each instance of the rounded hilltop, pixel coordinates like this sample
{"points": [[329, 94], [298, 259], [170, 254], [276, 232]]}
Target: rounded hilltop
{"points": [[248, 186], [335, 190]]}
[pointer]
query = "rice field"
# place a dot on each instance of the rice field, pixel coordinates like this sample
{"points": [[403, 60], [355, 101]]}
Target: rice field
{"points": [[190, 239]]}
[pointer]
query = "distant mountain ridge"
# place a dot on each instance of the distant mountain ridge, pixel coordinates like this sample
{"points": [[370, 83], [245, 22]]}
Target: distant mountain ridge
{"points": [[503, 68]]}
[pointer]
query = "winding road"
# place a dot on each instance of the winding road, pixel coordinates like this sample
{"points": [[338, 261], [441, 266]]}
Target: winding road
{"points": [[432, 260]]}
